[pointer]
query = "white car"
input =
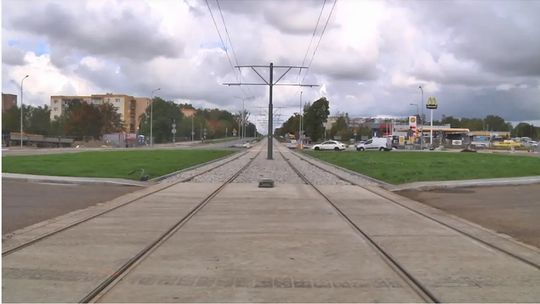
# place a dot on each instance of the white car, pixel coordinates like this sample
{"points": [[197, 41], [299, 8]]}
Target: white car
{"points": [[330, 145], [375, 143]]}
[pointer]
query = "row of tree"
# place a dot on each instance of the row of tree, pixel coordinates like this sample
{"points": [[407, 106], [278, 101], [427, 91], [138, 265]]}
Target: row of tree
{"points": [[314, 117], [493, 123], [205, 123], [81, 120], [316, 114]]}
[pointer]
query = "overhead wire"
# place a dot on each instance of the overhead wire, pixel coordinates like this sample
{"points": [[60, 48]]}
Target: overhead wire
{"points": [[239, 76], [219, 34], [320, 38], [311, 40]]}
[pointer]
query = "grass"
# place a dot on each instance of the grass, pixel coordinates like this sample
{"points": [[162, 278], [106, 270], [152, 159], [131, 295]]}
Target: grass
{"points": [[407, 167], [115, 164]]}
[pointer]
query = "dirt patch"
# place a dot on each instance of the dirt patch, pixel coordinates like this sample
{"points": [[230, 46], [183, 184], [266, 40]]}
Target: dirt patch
{"points": [[512, 210], [26, 203]]}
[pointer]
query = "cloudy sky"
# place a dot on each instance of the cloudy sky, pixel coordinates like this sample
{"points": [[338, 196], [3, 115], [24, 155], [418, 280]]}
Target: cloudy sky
{"points": [[476, 57]]}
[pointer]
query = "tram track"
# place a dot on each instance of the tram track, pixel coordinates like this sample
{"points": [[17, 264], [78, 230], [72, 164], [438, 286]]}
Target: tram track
{"points": [[394, 201], [123, 270], [93, 216], [399, 269]]}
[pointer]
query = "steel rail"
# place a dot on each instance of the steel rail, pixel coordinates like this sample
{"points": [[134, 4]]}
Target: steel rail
{"points": [[415, 285], [40, 238], [511, 254], [102, 288]]}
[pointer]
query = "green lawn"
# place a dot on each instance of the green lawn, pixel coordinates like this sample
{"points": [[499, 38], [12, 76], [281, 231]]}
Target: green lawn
{"points": [[406, 167], [116, 164]]}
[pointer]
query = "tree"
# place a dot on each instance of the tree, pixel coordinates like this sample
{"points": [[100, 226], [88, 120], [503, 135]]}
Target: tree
{"points": [[291, 126], [315, 116], [496, 123], [164, 114], [525, 130], [11, 120], [39, 120], [111, 121], [453, 122], [82, 120], [340, 128]]}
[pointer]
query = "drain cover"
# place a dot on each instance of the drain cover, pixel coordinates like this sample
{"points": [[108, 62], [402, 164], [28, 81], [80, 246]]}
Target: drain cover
{"points": [[266, 183]]}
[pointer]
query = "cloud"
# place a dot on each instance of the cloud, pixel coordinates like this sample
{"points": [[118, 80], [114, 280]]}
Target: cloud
{"points": [[12, 56], [97, 31], [475, 57]]}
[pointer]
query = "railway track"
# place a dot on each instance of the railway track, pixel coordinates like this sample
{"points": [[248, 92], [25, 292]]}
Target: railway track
{"points": [[102, 288], [499, 249], [86, 219], [415, 285]]}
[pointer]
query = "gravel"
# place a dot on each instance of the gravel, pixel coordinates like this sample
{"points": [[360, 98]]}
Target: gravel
{"points": [[277, 169]]}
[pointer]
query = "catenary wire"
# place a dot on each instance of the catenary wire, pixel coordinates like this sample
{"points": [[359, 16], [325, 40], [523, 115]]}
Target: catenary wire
{"points": [[320, 38], [311, 40]]}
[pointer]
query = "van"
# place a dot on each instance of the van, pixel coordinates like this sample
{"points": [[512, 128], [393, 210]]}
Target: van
{"points": [[375, 143]]}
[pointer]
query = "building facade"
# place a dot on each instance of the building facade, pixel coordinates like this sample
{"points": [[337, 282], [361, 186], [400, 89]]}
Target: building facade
{"points": [[130, 108], [8, 101]]}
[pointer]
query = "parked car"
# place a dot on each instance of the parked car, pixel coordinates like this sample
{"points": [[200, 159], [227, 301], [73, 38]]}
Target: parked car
{"points": [[292, 144], [375, 143], [507, 144], [330, 145]]}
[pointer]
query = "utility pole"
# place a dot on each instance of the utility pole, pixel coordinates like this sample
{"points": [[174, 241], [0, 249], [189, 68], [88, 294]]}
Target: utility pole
{"points": [[192, 129], [271, 83], [422, 120], [22, 119], [152, 116], [300, 139]]}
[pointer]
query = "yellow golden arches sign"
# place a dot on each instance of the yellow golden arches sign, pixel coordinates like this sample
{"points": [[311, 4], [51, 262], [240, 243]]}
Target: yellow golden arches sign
{"points": [[431, 103]]}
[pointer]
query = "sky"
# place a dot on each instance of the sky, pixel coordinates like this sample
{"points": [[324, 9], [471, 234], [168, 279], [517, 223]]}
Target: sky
{"points": [[368, 58]]}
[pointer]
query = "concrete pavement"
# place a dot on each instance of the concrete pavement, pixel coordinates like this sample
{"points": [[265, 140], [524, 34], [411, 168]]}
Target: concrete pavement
{"points": [[283, 244]]}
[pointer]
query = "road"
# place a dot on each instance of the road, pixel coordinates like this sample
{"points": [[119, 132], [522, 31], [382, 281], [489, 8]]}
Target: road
{"points": [[26, 203], [512, 210]]}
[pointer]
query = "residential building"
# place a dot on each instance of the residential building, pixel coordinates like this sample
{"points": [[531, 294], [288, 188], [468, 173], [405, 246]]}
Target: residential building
{"points": [[8, 101], [130, 108]]}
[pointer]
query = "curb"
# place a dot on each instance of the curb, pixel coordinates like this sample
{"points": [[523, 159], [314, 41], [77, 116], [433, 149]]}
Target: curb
{"points": [[505, 181], [163, 177], [73, 180]]}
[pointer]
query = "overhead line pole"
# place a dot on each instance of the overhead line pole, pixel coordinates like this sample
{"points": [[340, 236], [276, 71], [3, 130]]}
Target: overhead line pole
{"points": [[271, 83]]}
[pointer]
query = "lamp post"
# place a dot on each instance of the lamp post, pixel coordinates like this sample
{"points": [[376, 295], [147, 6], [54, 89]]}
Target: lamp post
{"points": [[152, 116], [422, 119], [300, 139], [22, 82]]}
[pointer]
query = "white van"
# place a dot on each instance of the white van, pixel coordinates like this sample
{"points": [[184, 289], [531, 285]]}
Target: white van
{"points": [[375, 143]]}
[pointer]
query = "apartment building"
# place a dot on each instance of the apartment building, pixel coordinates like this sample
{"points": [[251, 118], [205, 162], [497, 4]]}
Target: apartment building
{"points": [[8, 101], [130, 108]]}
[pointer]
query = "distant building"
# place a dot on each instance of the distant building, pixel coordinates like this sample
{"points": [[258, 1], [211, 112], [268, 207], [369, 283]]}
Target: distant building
{"points": [[8, 101], [130, 108], [188, 112]]}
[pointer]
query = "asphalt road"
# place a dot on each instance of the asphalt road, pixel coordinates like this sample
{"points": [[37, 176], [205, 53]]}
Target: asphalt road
{"points": [[512, 210], [27, 203]]}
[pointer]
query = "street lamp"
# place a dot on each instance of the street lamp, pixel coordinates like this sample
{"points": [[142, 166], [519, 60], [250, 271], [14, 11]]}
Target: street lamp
{"points": [[300, 139], [415, 104], [152, 116], [242, 126], [422, 120], [22, 81]]}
